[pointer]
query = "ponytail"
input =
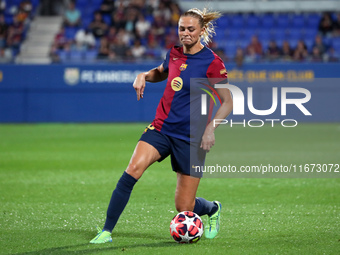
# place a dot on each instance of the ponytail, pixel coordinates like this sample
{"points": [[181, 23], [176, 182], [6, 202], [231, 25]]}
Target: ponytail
{"points": [[206, 20]]}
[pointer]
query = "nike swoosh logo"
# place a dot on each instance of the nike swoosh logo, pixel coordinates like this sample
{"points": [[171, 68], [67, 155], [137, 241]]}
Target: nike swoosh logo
{"points": [[174, 59]]}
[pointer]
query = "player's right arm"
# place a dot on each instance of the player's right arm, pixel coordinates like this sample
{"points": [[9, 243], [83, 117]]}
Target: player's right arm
{"points": [[154, 75]]}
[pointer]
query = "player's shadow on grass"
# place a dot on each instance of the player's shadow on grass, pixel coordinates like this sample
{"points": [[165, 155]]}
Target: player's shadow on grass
{"points": [[87, 248]]}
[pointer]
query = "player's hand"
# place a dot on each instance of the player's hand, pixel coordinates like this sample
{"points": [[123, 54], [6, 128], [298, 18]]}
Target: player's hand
{"points": [[208, 139], [139, 85]]}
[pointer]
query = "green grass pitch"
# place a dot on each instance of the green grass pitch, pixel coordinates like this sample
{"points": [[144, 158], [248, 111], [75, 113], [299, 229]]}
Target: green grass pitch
{"points": [[56, 181]]}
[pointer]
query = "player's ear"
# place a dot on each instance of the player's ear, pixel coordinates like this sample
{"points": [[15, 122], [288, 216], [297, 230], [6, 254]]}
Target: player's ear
{"points": [[202, 31]]}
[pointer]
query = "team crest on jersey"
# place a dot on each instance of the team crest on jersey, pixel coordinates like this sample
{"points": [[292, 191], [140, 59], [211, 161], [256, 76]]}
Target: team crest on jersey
{"points": [[183, 67], [177, 83]]}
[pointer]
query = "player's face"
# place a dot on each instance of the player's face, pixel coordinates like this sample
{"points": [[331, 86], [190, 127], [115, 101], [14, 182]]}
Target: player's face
{"points": [[189, 31]]}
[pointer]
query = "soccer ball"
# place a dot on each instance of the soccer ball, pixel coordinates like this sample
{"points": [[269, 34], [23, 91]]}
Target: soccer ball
{"points": [[186, 227]]}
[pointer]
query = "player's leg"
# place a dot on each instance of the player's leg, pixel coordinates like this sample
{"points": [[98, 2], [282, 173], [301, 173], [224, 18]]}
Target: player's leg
{"points": [[185, 194], [143, 156], [186, 200], [185, 197], [183, 156]]}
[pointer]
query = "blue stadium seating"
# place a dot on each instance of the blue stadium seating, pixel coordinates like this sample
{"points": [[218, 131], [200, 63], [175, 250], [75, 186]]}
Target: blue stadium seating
{"points": [[86, 21], [293, 42], [309, 43], [268, 21], [96, 4], [10, 3], [312, 20], [107, 19], [242, 43], [298, 21], [220, 34], [279, 42], [279, 34], [76, 55], [252, 22], [230, 48], [91, 55], [12, 7], [264, 34], [233, 34], [232, 30], [149, 18], [283, 21], [8, 18], [265, 44], [82, 3], [86, 12], [70, 32], [237, 21], [13, 2], [64, 56], [336, 44], [294, 33], [223, 22]]}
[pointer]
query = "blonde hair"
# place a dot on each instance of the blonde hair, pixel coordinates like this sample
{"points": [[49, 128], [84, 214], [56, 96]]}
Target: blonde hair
{"points": [[206, 20]]}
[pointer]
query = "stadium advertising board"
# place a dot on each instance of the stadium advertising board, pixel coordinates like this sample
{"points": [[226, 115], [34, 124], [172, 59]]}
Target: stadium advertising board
{"points": [[92, 93]]}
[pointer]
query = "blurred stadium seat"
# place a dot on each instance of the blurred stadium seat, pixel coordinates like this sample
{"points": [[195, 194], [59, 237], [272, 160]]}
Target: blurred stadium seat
{"points": [[283, 21], [298, 21], [234, 29], [237, 21], [90, 55], [64, 56], [268, 21], [76, 55], [336, 44], [17, 17], [253, 21]]}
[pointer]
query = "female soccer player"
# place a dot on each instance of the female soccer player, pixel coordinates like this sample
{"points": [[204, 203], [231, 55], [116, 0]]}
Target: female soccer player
{"points": [[169, 133]]}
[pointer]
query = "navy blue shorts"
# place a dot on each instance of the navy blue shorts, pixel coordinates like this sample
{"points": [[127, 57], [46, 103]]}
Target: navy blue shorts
{"points": [[184, 156]]}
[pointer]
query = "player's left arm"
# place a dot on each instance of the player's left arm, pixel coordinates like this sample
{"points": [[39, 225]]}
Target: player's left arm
{"points": [[208, 138]]}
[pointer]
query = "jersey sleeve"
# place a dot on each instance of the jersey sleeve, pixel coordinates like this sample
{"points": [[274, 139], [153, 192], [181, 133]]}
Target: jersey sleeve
{"points": [[166, 62], [218, 71]]}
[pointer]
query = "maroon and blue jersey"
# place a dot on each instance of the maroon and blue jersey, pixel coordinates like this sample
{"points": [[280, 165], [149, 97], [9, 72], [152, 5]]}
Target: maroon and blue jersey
{"points": [[173, 111]]}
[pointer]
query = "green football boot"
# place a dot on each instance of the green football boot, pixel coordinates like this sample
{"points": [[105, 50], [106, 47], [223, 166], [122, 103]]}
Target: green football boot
{"points": [[213, 225], [102, 237]]}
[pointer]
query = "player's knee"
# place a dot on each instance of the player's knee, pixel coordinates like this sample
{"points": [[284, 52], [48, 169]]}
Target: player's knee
{"points": [[135, 170]]}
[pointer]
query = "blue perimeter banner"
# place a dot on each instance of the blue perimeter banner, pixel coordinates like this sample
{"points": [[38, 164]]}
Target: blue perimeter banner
{"points": [[104, 93]]}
